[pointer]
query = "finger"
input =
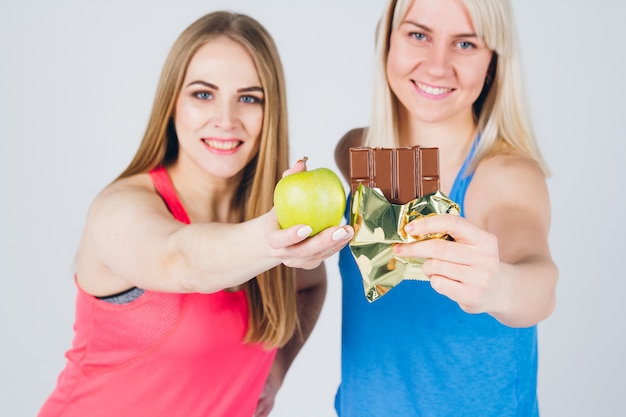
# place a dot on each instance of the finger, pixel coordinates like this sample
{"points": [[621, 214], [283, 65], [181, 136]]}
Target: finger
{"points": [[441, 249], [456, 226], [339, 234], [309, 253], [474, 289], [326, 242], [457, 292], [445, 286], [280, 238], [344, 233], [451, 270], [299, 166]]}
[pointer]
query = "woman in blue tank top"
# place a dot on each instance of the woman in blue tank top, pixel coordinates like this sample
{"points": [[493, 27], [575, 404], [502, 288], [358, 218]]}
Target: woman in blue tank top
{"points": [[464, 343]]}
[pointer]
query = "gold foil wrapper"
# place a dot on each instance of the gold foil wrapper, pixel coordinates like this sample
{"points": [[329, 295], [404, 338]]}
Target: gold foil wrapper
{"points": [[378, 225]]}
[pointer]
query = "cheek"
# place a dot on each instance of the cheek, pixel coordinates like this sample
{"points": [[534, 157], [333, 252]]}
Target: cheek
{"points": [[475, 76], [399, 62], [187, 121], [254, 122], [476, 82], [182, 117], [394, 70]]}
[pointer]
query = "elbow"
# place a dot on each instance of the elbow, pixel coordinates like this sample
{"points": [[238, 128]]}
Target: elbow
{"points": [[536, 308], [176, 274], [179, 275], [553, 278], [546, 301]]}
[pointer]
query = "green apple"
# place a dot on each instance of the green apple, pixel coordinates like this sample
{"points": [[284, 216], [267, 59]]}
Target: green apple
{"points": [[315, 198]]}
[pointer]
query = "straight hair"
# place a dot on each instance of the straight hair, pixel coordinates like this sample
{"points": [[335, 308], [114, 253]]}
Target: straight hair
{"points": [[272, 294], [501, 110]]}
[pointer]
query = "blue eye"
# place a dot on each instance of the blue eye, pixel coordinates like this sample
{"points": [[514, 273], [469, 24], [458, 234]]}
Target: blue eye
{"points": [[250, 99], [466, 45], [203, 95], [418, 36]]}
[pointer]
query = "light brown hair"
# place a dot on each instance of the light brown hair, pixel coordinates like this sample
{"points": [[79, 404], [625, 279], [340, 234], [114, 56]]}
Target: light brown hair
{"points": [[272, 294]]}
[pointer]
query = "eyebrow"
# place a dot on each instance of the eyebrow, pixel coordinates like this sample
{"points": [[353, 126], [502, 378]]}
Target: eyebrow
{"points": [[214, 87], [427, 29]]}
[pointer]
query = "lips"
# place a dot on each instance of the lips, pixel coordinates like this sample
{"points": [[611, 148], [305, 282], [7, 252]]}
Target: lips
{"points": [[222, 144], [432, 91]]}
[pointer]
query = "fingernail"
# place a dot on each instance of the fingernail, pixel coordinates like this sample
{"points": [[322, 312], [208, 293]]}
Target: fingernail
{"points": [[305, 231], [339, 234]]}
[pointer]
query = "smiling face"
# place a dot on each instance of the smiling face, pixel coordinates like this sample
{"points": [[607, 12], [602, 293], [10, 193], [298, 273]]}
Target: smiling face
{"points": [[436, 64], [219, 111]]}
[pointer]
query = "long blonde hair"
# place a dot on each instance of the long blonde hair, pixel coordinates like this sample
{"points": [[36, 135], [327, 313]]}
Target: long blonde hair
{"points": [[501, 109], [271, 295]]}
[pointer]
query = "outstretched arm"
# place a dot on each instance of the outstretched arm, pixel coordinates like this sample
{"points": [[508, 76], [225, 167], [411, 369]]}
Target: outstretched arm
{"points": [[499, 262], [131, 240]]}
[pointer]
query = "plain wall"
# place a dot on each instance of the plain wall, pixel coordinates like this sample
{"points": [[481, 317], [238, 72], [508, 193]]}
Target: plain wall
{"points": [[77, 81]]}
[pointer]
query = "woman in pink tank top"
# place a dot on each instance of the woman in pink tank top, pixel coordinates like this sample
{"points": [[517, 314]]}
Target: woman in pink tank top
{"points": [[189, 294]]}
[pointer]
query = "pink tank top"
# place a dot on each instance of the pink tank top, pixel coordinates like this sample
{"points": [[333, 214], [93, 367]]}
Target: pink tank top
{"points": [[162, 354]]}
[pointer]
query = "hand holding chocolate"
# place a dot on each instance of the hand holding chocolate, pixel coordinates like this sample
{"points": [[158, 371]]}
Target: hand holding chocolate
{"points": [[390, 188]]}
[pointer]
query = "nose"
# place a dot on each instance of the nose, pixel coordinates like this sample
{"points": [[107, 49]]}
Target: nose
{"points": [[225, 116], [438, 60]]}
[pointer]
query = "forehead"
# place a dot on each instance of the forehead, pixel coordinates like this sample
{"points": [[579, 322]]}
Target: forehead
{"points": [[440, 15], [223, 57]]}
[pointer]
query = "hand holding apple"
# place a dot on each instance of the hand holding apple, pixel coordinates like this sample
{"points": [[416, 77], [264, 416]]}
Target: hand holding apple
{"points": [[315, 198]]}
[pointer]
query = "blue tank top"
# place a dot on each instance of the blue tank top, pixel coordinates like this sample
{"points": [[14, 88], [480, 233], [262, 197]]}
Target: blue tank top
{"points": [[414, 352]]}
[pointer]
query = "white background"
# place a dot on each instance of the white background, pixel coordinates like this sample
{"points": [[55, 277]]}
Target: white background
{"points": [[77, 81]]}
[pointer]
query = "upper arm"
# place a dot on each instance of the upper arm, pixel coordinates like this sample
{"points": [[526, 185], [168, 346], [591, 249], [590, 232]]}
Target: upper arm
{"points": [[352, 138], [509, 198], [124, 241]]}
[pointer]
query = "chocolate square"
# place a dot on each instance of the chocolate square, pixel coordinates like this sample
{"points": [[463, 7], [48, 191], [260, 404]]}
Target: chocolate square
{"points": [[402, 174]]}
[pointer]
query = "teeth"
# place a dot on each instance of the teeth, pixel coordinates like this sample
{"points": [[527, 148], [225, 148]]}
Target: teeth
{"points": [[221, 145], [435, 91]]}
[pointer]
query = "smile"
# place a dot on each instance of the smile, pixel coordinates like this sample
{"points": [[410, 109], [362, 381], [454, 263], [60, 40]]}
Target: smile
{"points": [[222, 145], [432, 91]]}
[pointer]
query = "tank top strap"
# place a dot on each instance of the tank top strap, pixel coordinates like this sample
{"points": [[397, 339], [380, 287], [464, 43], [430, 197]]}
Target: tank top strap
{"points": [[163, 184], [463, 178]]}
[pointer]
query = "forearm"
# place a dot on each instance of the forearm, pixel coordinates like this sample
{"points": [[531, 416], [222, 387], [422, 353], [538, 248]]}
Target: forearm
{"points": [[528, 293], [201, 257], [215, 256], [146, 248]]}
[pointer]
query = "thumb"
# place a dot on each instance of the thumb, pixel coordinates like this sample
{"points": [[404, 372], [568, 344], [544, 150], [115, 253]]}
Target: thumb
{"points": [[299, 166]]}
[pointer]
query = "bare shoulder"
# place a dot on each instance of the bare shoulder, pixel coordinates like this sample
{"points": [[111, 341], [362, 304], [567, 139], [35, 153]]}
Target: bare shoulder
{"points": [[505, 182], [126, 206], [509, 172], [137, 189], [351, 139]]}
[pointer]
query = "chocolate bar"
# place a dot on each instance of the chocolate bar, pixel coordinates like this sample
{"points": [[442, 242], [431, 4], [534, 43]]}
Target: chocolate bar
{"points": [[402, 174]]}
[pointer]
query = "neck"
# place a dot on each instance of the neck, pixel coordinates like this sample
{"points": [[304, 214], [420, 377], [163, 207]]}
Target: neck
{"points": [[454, 139], [205, 198]]}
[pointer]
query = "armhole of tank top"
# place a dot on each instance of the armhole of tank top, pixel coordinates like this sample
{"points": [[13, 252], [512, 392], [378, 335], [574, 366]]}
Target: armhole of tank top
{"points": [[165, 188], [463, 178], [123, 297]]}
